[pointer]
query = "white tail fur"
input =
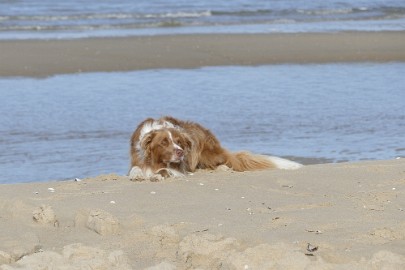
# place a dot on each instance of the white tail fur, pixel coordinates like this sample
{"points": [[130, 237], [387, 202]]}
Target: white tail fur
{"points": [[284, 164]]}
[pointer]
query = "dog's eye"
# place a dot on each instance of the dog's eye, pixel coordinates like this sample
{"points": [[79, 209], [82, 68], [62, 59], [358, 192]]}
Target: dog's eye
{"points": [[164, 142], [180, 142]]}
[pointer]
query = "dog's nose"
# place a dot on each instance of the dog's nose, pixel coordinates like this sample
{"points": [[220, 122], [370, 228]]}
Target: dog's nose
{"points": [[179, 152]]}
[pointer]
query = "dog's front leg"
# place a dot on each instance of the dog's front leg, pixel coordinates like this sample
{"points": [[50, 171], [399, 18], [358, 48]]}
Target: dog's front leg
{"points": [[168, 172], [136, 174]]}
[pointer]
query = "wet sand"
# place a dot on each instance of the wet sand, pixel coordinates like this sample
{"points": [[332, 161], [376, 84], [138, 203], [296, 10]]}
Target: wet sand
{"points": [[331, 216], [41, 58]]}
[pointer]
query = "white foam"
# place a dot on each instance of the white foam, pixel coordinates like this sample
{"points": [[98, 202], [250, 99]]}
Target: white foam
{"points": [[285, 164]]}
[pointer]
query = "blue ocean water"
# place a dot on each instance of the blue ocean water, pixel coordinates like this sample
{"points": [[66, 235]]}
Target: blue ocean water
{"points": [[79, 125], [89, 18]]}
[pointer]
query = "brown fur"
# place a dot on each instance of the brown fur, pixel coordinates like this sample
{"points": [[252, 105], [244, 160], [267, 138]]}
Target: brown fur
{"points": [[201, 149]]}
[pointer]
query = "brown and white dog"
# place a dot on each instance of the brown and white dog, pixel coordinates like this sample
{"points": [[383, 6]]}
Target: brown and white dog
{"points": [[167, 147]]}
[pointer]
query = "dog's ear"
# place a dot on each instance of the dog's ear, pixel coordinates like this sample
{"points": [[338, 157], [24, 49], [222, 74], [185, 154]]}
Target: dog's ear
{"points": [[189, 142], [191, 156], [146, 142]]}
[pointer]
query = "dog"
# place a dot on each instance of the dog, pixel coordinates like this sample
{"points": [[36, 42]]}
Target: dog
{"points": [[169, 147]]}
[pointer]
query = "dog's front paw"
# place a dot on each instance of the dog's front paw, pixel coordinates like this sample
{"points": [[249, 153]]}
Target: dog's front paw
{"points": [[164, 173], [156, 178], [168, 172], [136, 174]]}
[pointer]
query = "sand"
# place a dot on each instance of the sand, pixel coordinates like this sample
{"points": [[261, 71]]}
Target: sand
{"points": [[41, 58], [330, 216]]}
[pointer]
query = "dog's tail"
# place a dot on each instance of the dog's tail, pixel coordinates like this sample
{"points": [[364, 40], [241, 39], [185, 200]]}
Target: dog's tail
{"points": [[245, 161]]}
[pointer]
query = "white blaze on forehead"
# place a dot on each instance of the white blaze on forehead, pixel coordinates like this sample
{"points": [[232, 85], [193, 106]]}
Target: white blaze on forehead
{"points": [[176, 146], [152, 126]]}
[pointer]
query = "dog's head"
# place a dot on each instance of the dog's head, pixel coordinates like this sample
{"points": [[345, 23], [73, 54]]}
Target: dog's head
{"points": [[166, 146]]}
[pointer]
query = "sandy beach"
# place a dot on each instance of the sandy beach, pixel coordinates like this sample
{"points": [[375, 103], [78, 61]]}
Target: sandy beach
{"points": [[41, 58], [331, 216]]}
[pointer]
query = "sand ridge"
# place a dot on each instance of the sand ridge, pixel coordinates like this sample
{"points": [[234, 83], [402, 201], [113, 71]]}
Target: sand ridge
{"points": [[331, 216], [42, 58]]}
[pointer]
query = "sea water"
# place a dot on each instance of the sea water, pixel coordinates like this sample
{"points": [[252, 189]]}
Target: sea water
{"points": [[94, 18], [79, 125]]}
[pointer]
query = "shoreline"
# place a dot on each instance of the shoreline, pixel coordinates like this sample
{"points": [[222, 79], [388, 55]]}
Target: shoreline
{"points": [[42, 58], [349, 213]]}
